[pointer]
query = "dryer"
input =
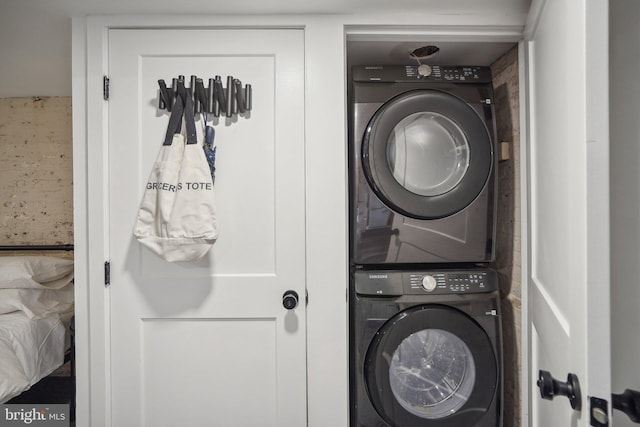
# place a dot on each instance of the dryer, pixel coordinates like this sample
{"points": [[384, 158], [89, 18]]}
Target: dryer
{"points": [[425, 349], [422, 165]]}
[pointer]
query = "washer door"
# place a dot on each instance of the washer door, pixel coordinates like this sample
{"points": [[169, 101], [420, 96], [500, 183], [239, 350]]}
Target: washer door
{"points": [[431, 365], [427, 154]]}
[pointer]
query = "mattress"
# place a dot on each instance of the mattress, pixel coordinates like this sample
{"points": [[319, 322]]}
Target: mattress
{"points": [[36, 307]]}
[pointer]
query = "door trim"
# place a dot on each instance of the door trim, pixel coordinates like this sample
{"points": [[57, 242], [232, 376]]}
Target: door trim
{"points": [[525, 230]]}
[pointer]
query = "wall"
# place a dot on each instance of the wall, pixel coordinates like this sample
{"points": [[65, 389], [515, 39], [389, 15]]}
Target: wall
{"points": [[508, 254], [625, 198], [36, 171], [36, 188], [38, 60]]}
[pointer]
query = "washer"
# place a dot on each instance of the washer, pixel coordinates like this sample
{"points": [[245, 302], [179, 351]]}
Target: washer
{"points": [[422, 165], [425, 349]]}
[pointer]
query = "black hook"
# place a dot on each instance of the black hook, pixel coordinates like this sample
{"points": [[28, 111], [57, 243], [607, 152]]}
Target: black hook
{"points": [[192, 93], [220, 96], [248, 97], [212, 100], [242, 106], [166, 97], [201, 96], [230, 98], [550, 387]]}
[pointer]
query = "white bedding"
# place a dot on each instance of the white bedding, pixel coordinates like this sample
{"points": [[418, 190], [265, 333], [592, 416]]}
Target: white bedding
{"points": [[36, 306], [30, 349]]}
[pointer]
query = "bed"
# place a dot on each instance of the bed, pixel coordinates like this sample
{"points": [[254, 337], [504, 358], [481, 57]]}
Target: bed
{"points": [[36, 312]]}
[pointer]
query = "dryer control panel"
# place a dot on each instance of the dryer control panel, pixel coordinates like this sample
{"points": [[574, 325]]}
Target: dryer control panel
{"points": [[427, 73], [434, 282]]}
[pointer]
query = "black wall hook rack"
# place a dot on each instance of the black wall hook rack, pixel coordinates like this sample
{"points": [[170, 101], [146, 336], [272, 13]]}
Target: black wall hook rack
{"points": [[214, 99]]}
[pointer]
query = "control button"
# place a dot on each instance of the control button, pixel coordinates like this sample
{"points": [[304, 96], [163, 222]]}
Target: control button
{"points": [[424, 70], [429, 283]]}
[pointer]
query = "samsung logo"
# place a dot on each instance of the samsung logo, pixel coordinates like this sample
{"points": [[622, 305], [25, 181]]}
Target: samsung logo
{"points": [[378, 276]]}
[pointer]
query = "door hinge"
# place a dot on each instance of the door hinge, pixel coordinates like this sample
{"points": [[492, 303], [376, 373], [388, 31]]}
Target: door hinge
{"points": [[105, 88], [107, 273]]}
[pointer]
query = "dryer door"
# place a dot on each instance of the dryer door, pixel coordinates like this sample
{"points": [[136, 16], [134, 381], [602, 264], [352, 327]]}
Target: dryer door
{"points": [[431, 365], [427, 154]]}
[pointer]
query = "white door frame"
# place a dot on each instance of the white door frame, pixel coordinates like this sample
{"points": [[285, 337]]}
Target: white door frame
{"points": [[524, 233], [326, 193]]}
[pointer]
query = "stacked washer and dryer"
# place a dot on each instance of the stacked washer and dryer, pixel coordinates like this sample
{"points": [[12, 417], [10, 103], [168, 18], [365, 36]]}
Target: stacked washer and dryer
{"points": [[425, 329]]}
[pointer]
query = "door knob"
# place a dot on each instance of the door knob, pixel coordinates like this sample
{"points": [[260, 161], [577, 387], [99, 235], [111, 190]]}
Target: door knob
{"points": [[550, 387], [290, 300], [629, 403]]}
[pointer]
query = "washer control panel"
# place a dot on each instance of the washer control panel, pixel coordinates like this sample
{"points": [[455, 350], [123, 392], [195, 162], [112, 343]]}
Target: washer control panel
{"points": [[435, 282], [445, 282]]}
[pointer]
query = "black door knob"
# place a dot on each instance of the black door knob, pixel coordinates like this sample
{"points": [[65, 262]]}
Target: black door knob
{"points": [[550, 387], [629, 403], [290, 300]]}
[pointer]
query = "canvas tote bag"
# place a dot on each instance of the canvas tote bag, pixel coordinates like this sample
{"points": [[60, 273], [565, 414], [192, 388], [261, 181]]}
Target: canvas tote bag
{"points": [[177, 217]]}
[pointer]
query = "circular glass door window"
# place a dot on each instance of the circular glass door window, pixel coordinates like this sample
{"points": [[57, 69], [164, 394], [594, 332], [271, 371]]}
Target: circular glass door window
{"points": [[428, 154], [432, 373]]}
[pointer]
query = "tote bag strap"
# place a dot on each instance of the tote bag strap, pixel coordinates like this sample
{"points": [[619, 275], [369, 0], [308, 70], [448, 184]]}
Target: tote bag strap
{"points": [[190, 121], [175, 121]]}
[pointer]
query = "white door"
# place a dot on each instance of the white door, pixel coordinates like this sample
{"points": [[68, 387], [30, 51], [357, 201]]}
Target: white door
{"points": [[568, 247], [209, 342]]}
